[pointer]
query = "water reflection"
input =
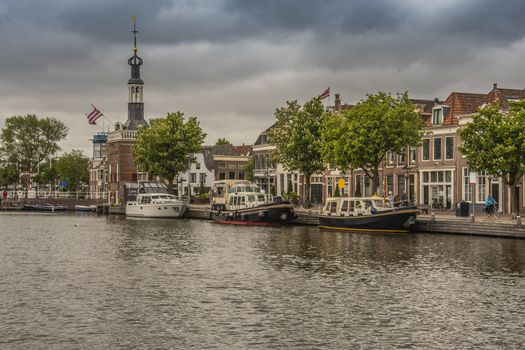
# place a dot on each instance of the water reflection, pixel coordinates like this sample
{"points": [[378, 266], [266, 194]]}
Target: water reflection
{"points": [[87, 281]]}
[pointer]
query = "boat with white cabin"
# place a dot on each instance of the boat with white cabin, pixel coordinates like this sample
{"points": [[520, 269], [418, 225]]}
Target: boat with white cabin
{"points": [[154, 201], [242, 202], [367, 214]]}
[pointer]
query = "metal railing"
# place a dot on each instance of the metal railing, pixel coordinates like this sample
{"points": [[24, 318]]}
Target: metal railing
{"points": [[33, 194], [122, 135]]}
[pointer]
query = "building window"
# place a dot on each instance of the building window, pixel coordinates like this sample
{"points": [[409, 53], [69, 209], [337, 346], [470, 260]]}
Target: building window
{"points": [[241, 175], [467, 189], [222, 165], [389, 158], [193, 178], [232, 166], [401, 159], [390, 184], [437, 189], [449, 148], [401, 185], [358, 190], [231, 175], [202, 178], [437, 148], [412, 156], [426, 149], [222, 175], [437, 116], [197, 165], [481, 189]]}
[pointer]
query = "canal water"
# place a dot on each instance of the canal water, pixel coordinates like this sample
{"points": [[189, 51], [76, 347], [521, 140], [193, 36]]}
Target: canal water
{"points": [[77, 281]]}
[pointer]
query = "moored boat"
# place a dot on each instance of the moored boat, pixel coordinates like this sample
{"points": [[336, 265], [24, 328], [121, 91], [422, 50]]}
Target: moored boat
{"points": [[85, 207], [366, 214], [154, 201], [44, 207], [241, 202]]}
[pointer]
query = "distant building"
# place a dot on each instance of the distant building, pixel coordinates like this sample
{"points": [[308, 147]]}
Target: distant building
{"points": [[200, 173], [98, 167]]}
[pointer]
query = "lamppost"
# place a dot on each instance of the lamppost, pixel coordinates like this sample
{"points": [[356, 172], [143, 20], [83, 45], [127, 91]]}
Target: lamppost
{"points": [[406, 170]]}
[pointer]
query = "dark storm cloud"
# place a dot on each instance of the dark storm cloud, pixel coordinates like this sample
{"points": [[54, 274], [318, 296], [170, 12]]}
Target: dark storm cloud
{"points": [[237, 60]]}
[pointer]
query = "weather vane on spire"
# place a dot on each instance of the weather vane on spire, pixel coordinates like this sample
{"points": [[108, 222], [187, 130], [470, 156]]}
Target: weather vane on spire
{"points": [[134, 31]]}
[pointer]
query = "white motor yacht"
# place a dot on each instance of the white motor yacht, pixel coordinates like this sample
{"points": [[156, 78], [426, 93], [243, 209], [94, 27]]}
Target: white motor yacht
{"points": [[154, 201]]}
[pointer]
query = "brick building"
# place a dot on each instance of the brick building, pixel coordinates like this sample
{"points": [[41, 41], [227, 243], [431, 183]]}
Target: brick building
{"points": [[121, 168]]}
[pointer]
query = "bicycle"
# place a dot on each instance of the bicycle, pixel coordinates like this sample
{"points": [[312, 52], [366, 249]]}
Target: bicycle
{"points": [[491, 211]]}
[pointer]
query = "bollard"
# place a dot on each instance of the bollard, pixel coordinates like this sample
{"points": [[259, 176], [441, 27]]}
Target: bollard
{"points": [[432, 217], [518, 221], [472, 218]]}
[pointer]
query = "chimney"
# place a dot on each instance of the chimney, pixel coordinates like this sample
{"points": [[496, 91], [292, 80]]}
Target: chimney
{"points": [[436, 101], [337, 102], [494, 86]]}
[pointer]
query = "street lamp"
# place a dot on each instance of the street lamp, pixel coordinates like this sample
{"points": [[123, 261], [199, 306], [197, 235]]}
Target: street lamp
{"points": [[406, 170]]}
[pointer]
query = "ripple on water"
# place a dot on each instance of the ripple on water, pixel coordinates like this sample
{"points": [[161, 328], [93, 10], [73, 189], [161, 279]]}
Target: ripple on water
{"points": [[85, 281]]}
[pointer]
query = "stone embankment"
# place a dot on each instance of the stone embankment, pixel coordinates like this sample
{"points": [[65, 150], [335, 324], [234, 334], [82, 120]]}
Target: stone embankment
{"points": [[443, 223]]}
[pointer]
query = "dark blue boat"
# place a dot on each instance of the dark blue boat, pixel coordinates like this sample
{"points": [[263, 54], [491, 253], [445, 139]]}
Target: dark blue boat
{"points": [[44, 207], [367, 214]]}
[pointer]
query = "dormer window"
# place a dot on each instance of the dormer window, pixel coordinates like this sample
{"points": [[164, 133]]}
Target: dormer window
{"points": [[437, 115]]}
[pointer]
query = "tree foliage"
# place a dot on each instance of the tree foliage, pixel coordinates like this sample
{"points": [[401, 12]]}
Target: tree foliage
{"points": [[223, 141], [248, 169], [29, 140], [165, 147], [73, 168], [297, 137], [494, 141], [362, 136]]}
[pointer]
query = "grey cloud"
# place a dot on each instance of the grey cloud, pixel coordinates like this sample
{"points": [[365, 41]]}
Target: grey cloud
{"points": [[232, 62]]}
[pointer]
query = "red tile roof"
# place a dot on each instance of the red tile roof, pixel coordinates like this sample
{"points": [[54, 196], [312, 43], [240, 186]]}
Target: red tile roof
{"points": [[461, 103], [244, 150]]}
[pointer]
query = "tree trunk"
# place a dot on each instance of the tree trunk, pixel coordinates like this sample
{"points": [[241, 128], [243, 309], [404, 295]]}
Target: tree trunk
{"points": [[306, 202], [515, 199], [375, 180], [170, 186]]}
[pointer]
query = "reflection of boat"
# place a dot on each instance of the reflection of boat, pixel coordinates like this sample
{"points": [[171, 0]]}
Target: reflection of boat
{"points": [[241, 202], [366, 214], [85, 207], [153, 201], [44, 207]]}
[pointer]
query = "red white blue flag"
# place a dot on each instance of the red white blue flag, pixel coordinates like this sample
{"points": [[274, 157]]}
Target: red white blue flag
{"points": [[94, 115], [325, 94]]}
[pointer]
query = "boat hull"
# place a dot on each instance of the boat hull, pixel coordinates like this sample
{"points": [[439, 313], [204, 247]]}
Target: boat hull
{"points": [[268, 215], [392, 221], [44, 207], [161, 210], [85, 207]]}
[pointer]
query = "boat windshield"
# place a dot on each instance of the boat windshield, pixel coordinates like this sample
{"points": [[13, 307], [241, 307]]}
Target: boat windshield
{"points": [[378, 203]]}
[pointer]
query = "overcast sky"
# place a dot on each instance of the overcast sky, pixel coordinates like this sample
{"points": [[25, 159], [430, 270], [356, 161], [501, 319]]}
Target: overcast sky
{"points": [[231, 63]]}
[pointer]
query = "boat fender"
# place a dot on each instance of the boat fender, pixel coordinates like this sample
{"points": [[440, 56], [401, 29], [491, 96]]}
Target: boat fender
{"points": [[242, 217], [261, 213], [284, 216]]}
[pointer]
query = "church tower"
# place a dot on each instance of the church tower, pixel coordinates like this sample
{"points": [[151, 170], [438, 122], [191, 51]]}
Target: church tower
{"points": [[135, 89]]}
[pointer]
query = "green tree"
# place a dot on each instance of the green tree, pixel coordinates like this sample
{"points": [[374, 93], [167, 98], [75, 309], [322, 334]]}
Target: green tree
{"points": [[223, 141], [248, 169], [363, 135], [73, 168], [47, 174], [165, 147], [297, 137], [28, 140], [495, 142]]}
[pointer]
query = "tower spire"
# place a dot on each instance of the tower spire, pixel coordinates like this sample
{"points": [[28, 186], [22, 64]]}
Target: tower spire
{"points": [[134, 31], [135, 87]]}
